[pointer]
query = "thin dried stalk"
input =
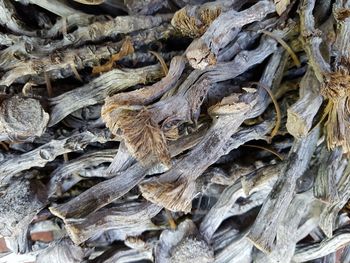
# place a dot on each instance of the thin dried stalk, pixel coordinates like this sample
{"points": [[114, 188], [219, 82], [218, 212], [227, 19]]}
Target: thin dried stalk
{"points": [[287, 236], [302, 113], [98, 89], [130, 219], [229, 196], [325, 180], [40, 156], [312, 251], [146, 95], [263, 232], [8, 19], [59, 175], [55, 6], [60, 64], [330, 212], [238, 249]]}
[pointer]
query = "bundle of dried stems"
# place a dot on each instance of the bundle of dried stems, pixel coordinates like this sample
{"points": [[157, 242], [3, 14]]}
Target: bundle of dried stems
{"points": [[174, 131]]}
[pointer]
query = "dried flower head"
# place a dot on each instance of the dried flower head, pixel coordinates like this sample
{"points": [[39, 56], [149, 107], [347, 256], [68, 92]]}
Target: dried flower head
{"points": [[143, 137], [336, 89], [175, 196], [193, 21]]}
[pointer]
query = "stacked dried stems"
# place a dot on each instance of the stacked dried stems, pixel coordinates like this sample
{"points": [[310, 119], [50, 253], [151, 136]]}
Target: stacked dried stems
{"points": [[174, 131]]}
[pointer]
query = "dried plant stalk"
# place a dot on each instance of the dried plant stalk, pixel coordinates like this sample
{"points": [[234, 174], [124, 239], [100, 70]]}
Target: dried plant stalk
{"points": [[203, 51], [97, 90], [105, 192], [176, 188], [334, 83], [48, 152], [327, 246], [130, 219], [263, 232]]}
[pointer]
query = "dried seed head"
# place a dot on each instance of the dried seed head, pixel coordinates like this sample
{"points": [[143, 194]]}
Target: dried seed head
{"points": [[192, 250], [193, 21], [143, 137], [337, 90], [175, 196], [22, 118]]}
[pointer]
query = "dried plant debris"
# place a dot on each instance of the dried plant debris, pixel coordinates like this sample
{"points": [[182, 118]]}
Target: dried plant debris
{"points": [[22, 119], [174, 131]]}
